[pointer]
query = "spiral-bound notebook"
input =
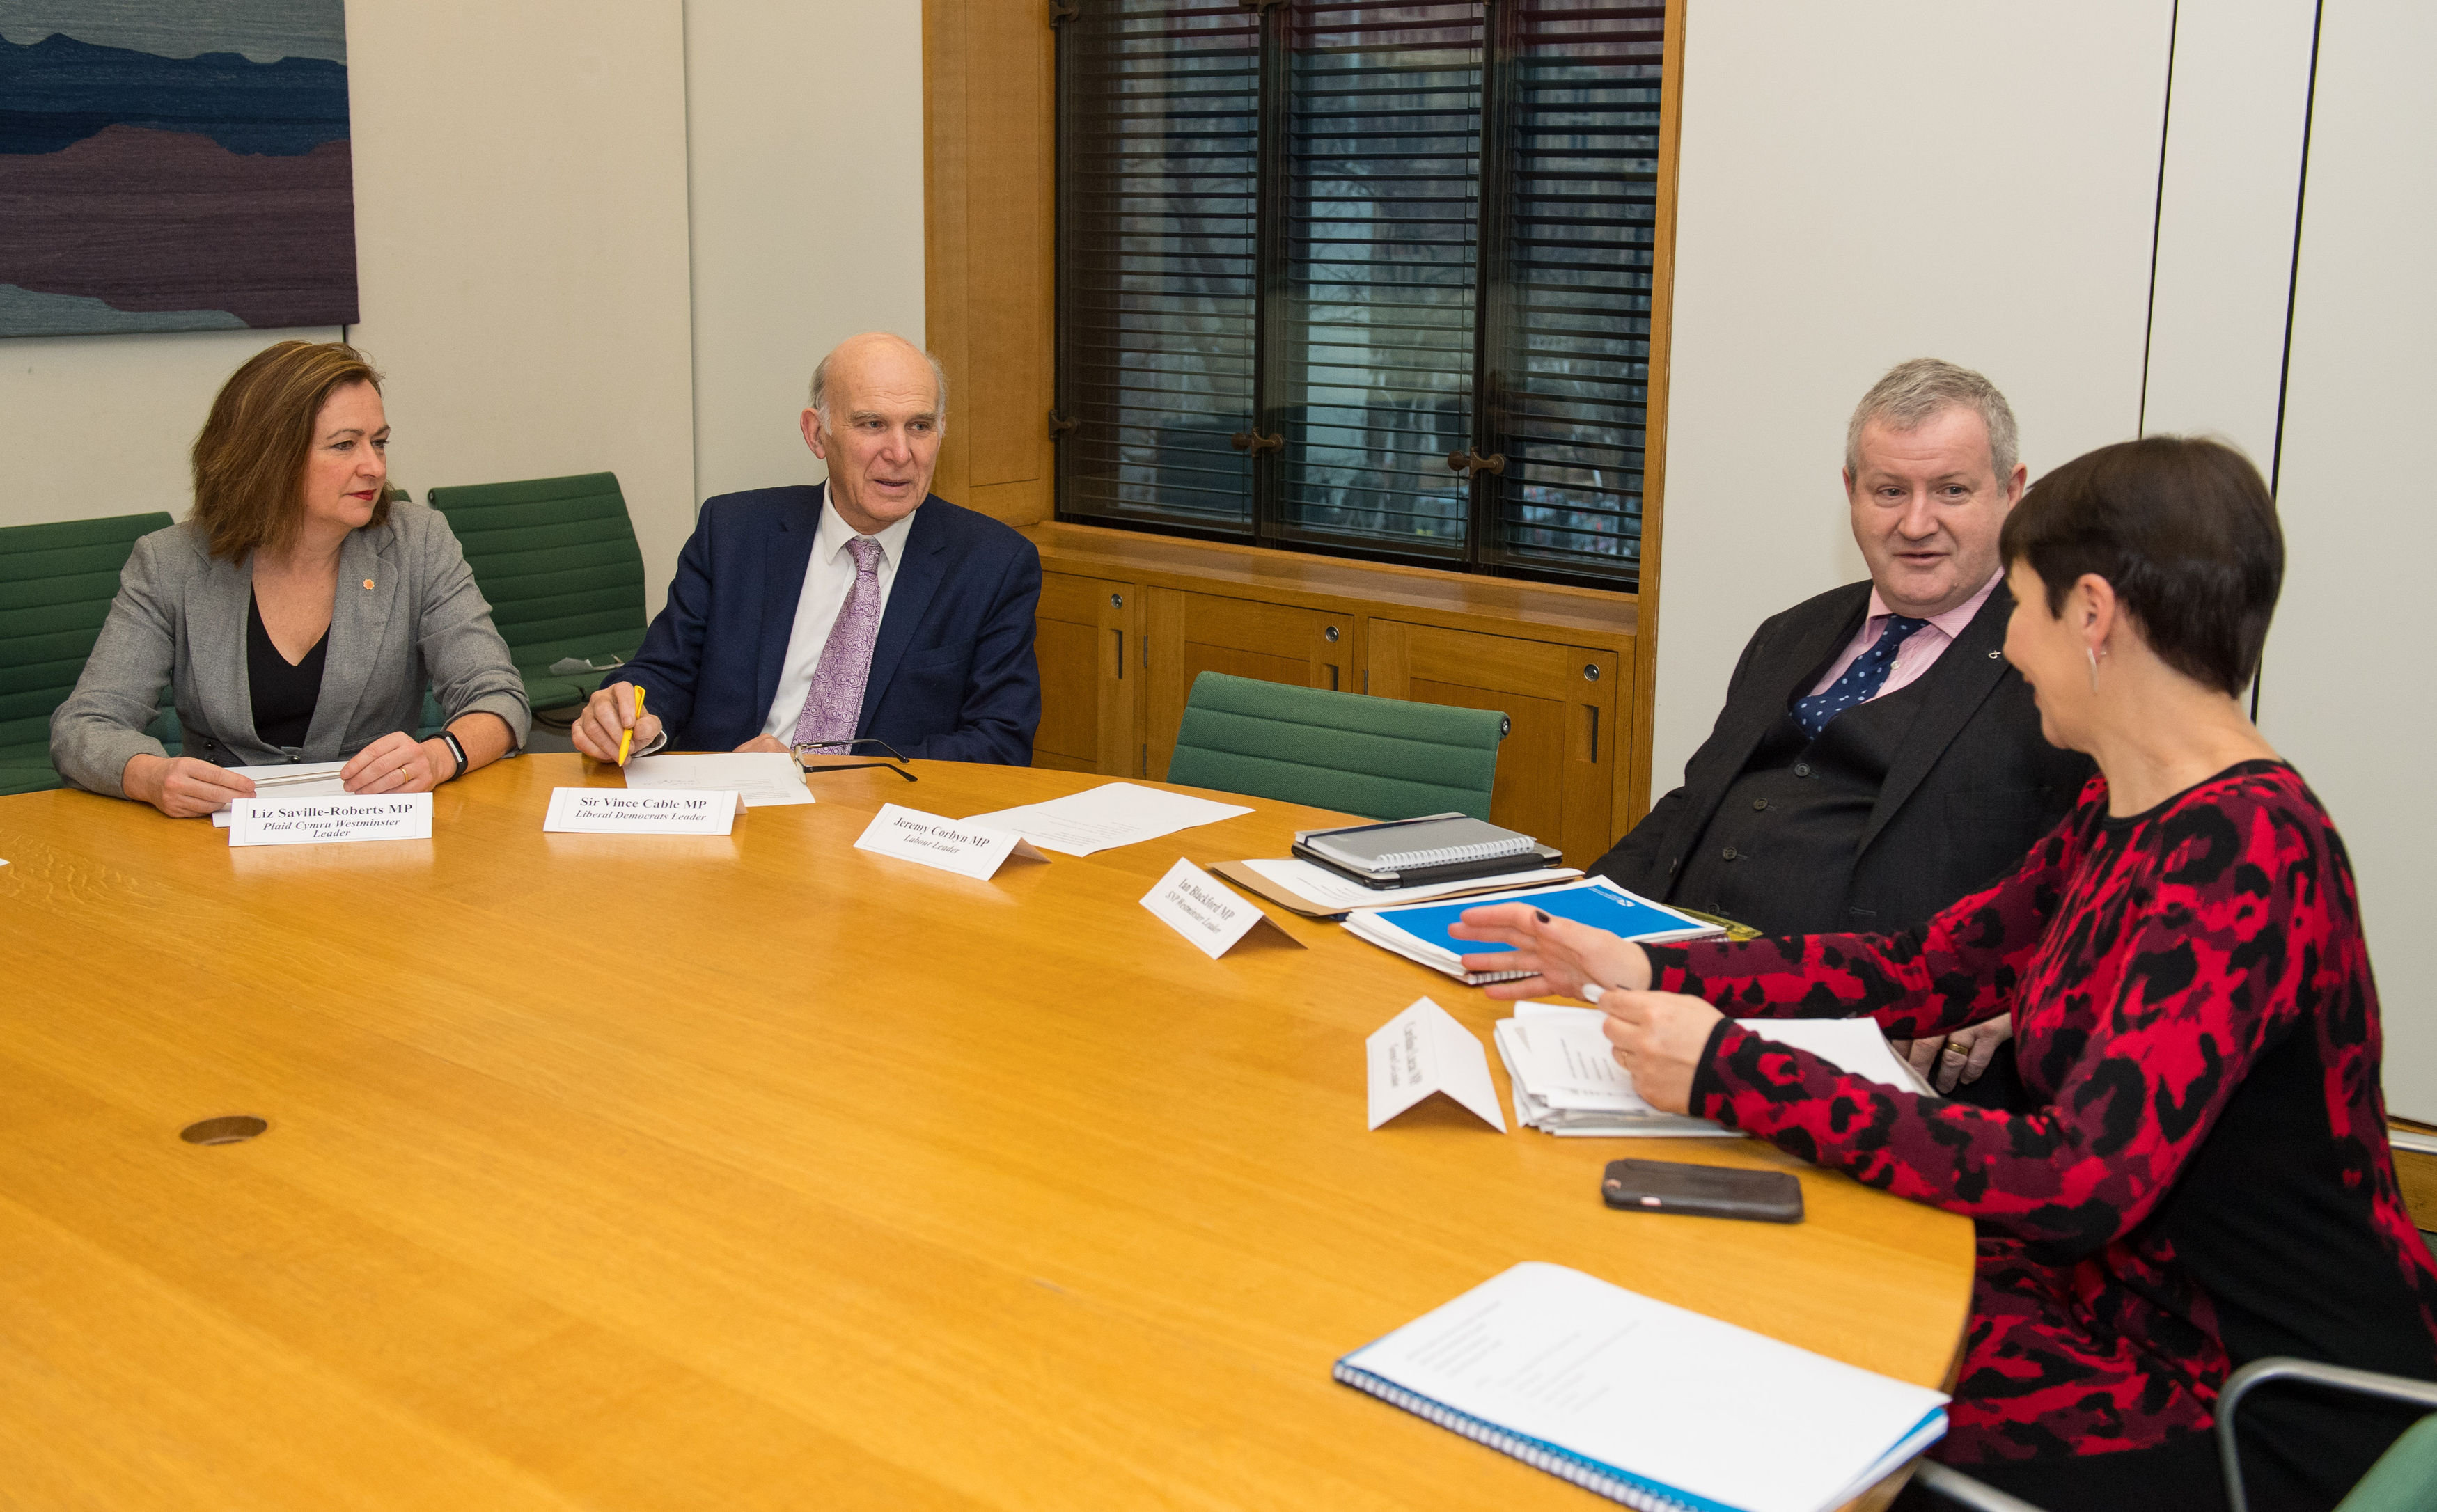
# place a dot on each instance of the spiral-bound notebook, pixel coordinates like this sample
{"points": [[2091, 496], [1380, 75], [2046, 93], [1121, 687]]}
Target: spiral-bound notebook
{"points": [[1646, 1404]]}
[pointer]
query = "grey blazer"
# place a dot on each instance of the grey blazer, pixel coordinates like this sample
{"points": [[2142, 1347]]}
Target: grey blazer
{"points": [[406, 613]]}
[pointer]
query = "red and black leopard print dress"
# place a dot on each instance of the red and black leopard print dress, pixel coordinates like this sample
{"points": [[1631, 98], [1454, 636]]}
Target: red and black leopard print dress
{"points": [[2203, 1177]]}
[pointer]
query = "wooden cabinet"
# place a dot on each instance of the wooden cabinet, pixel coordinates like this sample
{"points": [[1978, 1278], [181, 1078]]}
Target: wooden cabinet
{"points": [[1127, 621], [1086, 638], [1556, 766], [1188, 634]]}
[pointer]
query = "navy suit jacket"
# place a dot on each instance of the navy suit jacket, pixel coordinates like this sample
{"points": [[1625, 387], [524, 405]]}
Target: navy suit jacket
{"points": [[953, 677]]}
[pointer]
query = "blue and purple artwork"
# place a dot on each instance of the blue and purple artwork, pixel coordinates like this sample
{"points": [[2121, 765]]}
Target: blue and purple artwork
{"points": [[174, 166]]}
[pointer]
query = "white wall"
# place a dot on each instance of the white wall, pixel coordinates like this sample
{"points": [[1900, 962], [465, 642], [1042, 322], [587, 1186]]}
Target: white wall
{"points": [[2339, 695], [520, 228], [804, 123], [1860, 184]]}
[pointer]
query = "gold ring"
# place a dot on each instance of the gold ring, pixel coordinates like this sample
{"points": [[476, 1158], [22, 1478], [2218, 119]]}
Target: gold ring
{"points": [[1957, 1051]]}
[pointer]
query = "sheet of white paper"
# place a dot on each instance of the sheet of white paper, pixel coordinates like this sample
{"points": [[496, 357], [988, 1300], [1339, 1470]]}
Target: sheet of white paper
{"points": [[1325, 887], [1855, 1045], [957, 845], [1423, 1051], [1102, 818], [1656, 1390], [283, 819], [760, 779], [664, 811], [289, 779]]}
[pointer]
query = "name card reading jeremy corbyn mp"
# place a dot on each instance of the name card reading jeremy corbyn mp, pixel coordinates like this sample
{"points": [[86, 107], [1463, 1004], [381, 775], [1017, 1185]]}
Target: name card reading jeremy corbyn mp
{"points": [[1202, 908], [335, 819], [950, 844], [652, 812]]}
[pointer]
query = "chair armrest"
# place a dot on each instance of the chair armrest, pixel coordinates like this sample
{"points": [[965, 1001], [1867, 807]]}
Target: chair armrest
{"points": [[2281, 1367]]}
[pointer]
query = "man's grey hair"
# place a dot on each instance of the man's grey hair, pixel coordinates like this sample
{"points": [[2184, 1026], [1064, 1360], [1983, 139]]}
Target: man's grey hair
{"points": [[820, 395], [1914, 391]]}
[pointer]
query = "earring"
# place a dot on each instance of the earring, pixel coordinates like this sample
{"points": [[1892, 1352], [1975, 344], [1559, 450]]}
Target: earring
{"points": [[2092, 652]]}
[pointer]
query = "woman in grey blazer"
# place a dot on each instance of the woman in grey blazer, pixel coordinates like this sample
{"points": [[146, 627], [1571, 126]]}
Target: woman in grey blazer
{"points": [[298, 613]]}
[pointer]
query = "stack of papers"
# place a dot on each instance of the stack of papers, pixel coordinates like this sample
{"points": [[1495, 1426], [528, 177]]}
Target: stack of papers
{"points": [[1566, 1078], [289, 779], [1320, 894], [1110, 815], [760, 779], [1420, 932]]}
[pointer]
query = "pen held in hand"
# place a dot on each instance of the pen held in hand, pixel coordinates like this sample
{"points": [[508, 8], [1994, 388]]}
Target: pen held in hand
{"points": [[626, 736]]}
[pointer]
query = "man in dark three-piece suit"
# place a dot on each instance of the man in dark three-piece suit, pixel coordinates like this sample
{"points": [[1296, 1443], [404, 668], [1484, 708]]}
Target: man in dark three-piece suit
{"points": [[863, 612], [1876, 758]]}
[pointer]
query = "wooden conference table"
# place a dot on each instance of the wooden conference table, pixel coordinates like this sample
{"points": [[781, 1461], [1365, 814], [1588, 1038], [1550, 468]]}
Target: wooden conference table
{"points": [[761, 1172]]}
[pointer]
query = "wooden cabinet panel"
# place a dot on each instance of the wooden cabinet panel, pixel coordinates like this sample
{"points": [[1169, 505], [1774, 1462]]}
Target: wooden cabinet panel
{"points": [[1189, 634], [1567, 705], [1082, 644]]}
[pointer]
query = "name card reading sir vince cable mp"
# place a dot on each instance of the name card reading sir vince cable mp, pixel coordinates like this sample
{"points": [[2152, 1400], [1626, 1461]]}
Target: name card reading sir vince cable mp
{"points": [[647, 811], [1206, 912]]}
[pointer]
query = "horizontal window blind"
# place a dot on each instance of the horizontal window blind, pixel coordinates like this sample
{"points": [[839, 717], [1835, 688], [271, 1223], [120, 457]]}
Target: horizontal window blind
{"points": [[1361, 276], [1382, 201], [1155, 310], [1571, 382]]}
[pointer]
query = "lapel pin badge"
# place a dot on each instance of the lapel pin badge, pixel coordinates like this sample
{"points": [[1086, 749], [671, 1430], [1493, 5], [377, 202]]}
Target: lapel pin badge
{"points": [[368, 583]]}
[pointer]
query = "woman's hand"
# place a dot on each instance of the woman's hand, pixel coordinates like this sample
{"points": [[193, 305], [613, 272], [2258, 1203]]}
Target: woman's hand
{"points": [[1949, 1061], [1564, 956], [1658, 1039], [607, 714], [182, 787], [398, 762]]}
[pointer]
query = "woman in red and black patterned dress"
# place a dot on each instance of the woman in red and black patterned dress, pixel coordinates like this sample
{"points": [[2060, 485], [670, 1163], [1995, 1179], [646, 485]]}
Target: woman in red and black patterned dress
{"points": [[2200, 1176]]}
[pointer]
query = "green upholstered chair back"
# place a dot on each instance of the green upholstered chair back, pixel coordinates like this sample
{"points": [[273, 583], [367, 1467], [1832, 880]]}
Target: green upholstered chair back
{"points": [[2405, 1477], [557, 559], [1380, 758], [55, 584]]}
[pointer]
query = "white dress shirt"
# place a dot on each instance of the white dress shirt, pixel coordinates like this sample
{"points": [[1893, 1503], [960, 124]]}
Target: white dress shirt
{"points": [[827, 579]]}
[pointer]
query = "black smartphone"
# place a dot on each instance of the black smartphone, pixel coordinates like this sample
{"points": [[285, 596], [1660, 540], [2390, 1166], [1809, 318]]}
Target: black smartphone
{"points": [[1708, 1191]]}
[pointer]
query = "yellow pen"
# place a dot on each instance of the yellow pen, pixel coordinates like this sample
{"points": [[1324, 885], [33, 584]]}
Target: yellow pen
{"points": [[626, 736]]}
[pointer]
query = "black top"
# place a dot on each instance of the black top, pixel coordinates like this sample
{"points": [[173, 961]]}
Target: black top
{"points": [[283, 693], [1962, 789]]}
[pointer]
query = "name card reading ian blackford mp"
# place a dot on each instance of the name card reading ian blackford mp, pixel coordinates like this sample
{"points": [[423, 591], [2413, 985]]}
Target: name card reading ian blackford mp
{"points": [[335, 819], [647, 811], [1206, 912]]}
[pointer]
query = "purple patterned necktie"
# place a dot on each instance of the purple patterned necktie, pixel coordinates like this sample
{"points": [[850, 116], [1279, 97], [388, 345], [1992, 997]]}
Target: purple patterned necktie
{"points": [[836, 702]]}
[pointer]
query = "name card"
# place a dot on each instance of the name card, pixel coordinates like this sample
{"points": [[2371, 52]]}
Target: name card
{"points": [[951, 845], [333, 820], [1424, 1051], [1203, 909], [649, 811]]}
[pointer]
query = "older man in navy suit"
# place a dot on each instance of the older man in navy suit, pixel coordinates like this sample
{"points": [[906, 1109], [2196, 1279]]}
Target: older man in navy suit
{"points": [[858, 611]]}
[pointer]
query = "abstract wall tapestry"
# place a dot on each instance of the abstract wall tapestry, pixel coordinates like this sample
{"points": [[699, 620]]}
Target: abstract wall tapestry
{"points": [[174, 166]]}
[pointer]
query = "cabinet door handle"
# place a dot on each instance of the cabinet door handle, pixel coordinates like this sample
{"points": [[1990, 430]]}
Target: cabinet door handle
{"points": [[1121, 653], [1592, 709]]}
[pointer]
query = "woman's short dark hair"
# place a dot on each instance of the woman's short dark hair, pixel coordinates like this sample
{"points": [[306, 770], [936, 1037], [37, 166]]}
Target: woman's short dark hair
{"points": [[2181, 527], [250, 459]]}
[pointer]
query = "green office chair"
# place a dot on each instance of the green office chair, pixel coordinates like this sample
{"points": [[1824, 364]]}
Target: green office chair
{"points": [[55, 584], [557, 557], [1381, 757], [2403, 1480]]}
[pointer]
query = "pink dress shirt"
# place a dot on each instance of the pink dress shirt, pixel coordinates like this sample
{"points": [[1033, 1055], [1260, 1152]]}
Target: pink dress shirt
{"points": [[1920, 650]]}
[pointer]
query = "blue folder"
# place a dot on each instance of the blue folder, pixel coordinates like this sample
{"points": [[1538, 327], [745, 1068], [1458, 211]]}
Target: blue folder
{"points": [[1599, 903]]}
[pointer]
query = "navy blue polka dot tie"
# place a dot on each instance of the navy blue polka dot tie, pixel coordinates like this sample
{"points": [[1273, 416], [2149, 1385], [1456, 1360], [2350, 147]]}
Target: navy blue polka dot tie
{"points": [[1861, 681]]}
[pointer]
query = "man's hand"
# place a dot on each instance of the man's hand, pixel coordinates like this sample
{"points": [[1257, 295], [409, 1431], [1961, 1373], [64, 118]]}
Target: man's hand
{"points": [[182, 787], [607, 714], [398, 762], [1658, 1039], [1951, 1060], [1564, 956], [766, 742]]}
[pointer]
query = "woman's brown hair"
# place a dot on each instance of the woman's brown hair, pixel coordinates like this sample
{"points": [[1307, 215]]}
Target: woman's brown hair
{"points": [[250, 459]]}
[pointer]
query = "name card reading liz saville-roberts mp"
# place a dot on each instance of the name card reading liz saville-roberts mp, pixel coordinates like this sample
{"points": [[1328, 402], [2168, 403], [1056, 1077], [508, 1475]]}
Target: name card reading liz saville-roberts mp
{"points": [[1206, 912], [1423, 1051], [951, 845], [648, 811], [331, 820]]}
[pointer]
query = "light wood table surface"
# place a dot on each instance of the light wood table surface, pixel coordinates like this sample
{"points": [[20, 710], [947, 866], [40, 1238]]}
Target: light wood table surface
{"points": [[761, 1172]]}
